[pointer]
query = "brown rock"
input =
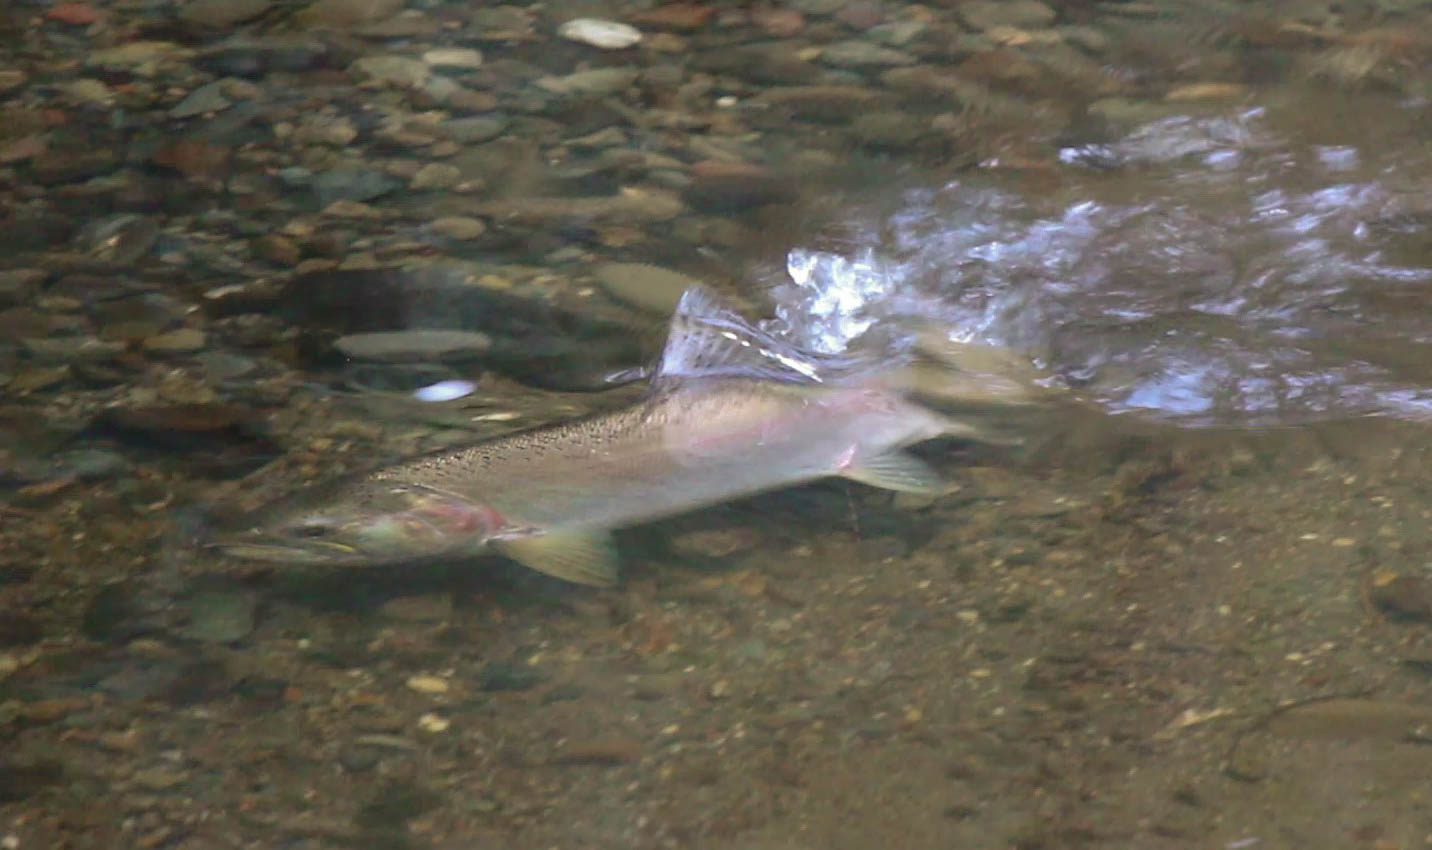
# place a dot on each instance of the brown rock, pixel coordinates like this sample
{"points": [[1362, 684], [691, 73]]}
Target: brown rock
{"points": [[193, 158], [781, 23], [1407, 597], [278, 249], [22, 148], [348, 13], [606, 752], [676, 16], [732, 187], [467, 100]]}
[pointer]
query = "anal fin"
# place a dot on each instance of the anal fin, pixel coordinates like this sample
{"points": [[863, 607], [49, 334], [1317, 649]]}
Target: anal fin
{"points": [[581, 557], [899, 471]]}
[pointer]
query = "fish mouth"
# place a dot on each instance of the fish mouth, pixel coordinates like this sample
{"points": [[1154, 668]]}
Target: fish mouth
{"points": [[306, 552]]}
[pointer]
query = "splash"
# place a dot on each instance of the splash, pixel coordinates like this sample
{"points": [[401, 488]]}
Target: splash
{"points": [[1198, 270]]}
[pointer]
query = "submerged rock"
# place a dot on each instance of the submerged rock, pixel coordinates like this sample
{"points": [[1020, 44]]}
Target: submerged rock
{"points": [[414, 345]]}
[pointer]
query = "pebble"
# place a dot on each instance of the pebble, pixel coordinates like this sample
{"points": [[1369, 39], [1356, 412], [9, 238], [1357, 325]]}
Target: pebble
{"points": [[396, 346], [608, 35], [433, 723], [76, 349], [607, 752], [898, 33], [141, 58], [892, 130], [223, 366], [429, 608], [716, 542], [597, 82], [631, 206], [54, 167], [436, 175], [1403, 597], [407, 24], [467, 100], [396, 71], [33, 380], [857, 54], [861, 14], [425, 684], [461, 228], [477, 128], [223, 615], [677, 16], [85, 92], [353, 184], [509, 676], [206, 98], [221, 14], [244, 56], [1351, 718], [118, 239], [780, 23], [651, 288], [453, 57], [987, 14], [820, 103], [1206, 91], [74, 14], [348, 13], [23, 148], [445, 391], [17, 285], [734, 188], [182, 341], [159, 778], [18, 628], [277, 248], [336, 130]]}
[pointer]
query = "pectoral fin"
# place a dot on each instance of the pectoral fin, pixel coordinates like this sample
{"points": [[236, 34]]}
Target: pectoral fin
{"points": [[897, 471], [581, 557]]}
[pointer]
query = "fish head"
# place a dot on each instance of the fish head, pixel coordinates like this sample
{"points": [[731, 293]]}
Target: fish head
{"points": [[373, 522]]}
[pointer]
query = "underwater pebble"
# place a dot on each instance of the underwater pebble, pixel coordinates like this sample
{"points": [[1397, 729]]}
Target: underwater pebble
{"points": [[410, 345], [608, 35], [601, 751], [433, 723], [458, 227], [445, 391], [182, 341], [453, 57], [650, 288], [424, 684]]}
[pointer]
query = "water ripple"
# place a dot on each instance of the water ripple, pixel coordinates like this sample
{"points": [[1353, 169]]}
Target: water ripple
{"points": [[1199, 270]]}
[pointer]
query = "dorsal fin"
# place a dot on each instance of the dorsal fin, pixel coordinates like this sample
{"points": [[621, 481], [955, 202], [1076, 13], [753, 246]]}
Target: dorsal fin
{"points": [[709, 339]]}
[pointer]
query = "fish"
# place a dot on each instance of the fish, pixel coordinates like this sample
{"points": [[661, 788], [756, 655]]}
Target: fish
{"points": [[730, 411]]}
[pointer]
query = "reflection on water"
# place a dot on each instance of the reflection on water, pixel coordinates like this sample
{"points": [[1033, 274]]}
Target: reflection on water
{"points": [[1201, 270]]}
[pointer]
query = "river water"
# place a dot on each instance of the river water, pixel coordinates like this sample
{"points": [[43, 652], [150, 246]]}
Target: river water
{"points": [[1191, 610], [1251, 265]]}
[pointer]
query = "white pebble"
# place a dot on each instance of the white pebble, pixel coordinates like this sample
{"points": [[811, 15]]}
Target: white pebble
{"points": [[445, 391], [453, 57], [608, 35], [425, 684], [433, 723]]}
